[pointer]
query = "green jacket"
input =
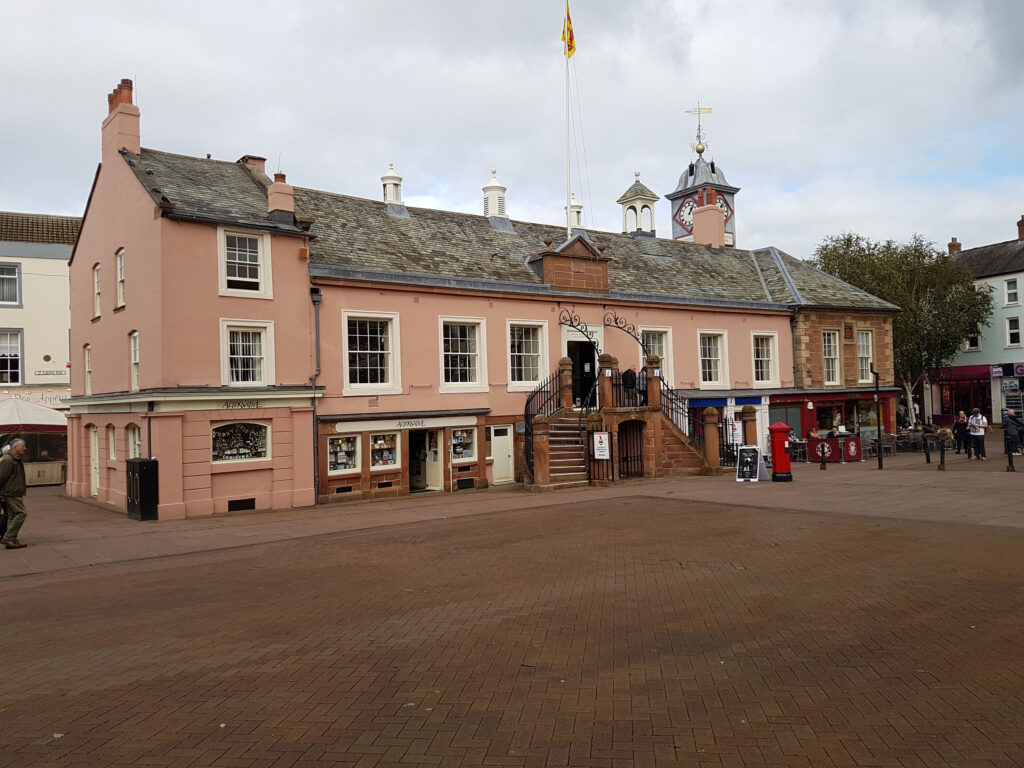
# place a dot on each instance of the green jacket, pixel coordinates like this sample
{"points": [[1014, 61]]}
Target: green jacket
{"points": [[12, 476]]}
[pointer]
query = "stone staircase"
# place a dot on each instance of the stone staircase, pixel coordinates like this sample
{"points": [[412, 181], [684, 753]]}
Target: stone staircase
{"points": [[568, 462]]}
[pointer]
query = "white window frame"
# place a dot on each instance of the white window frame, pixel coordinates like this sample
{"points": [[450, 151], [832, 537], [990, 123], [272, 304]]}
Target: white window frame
{"points": [[543, 365], [358, 437], [134, 355], [397, 456], [229, 462], [481, 383], [269, 372], [773, 373], [838, 380], [20, 344], [16, 277], [866, 378], [1007, 301], [87, 349], [111, 442], [475, 443], [667, 368], [1009, 343], [134, 434], [394, 386], [968, 347], [723, 359], [97, 294], [266, 289], [119, 271]]}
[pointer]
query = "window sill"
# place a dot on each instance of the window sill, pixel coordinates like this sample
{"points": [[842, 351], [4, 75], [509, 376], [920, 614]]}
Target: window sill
{"points": [[119, 309], [345, 473], [242, 465], [386, 468], [240, 294], [371, 391], [95, 319], [523, 386], [448, 389]]}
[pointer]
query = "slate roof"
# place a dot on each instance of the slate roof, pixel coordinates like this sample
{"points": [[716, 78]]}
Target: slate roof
{"points": [[358, 239], [39, 228], [996, 259], [637, 190]]}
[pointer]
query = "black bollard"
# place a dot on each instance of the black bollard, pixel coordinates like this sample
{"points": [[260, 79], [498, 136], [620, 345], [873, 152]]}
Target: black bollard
{"points": [[821, 452], [880, 449], [1009, 456], [942, 454], [927, 453]]}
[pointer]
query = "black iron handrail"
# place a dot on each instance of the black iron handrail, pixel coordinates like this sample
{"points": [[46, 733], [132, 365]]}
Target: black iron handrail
{"points": [[543, 401], [678, 412]]}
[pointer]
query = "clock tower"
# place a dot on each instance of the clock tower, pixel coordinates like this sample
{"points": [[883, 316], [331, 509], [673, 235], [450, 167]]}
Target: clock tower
{"points": [[687, 196]]}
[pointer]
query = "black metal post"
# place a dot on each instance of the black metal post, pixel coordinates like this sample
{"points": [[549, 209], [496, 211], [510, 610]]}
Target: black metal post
{"points": [[942, 454], [927, 453], [821, 452], [1008, 445], [878, 415]]}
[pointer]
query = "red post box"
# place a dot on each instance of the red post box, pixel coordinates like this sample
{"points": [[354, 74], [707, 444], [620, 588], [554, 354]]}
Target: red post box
{"points": [[781, 469]]}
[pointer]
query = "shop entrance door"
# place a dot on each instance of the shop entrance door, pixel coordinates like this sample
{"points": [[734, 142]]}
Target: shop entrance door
{"points": [[584, 369], [501, 452], [424, 460]]}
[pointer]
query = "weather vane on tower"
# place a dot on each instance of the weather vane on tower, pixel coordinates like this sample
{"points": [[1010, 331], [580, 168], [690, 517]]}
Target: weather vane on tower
{"points": [[701, 143]]}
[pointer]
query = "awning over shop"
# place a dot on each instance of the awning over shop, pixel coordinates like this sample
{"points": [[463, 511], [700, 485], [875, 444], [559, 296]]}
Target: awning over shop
{"points": [[24, 416]]}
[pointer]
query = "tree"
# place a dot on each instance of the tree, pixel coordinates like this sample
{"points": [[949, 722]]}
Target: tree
{"points": [[941, 306]]}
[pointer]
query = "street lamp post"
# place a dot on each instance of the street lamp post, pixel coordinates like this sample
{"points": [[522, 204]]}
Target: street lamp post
{"points": [[878, 416]]}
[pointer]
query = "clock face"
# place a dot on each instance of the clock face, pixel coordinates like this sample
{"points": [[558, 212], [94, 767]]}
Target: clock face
{"points": [[724, 205], [684, 214]]}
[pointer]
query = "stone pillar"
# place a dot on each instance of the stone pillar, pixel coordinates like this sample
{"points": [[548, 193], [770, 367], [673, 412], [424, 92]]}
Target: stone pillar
{"points": [[749, 418], [606, 362], [653, 382], [711, 457], [565, 382], [541, 452]]}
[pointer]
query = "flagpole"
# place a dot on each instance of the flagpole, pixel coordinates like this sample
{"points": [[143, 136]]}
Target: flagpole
{"points": [[568, 192]]}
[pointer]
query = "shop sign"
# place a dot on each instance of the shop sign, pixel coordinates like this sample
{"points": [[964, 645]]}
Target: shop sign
{"points": [[50, 373], [230, 405], [1018, 369], [602, 445], [996, 370], [393, 425], [1011, 385]]}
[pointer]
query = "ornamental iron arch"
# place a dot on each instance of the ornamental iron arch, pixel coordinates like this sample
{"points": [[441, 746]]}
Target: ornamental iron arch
{"points": [[568, 317], [613, 319]]}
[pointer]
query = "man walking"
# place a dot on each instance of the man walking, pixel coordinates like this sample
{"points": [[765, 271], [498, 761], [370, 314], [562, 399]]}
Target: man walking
{"points": [[1013, 425], [12, 488], [978, 426]]}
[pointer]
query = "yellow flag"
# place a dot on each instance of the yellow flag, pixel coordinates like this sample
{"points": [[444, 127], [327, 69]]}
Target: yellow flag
{"points": [[567, 36]]}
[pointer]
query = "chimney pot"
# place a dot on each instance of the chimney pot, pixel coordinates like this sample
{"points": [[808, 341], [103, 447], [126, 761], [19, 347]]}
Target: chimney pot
{"points": [[279, 177], [954, 246], [1020, 229]]}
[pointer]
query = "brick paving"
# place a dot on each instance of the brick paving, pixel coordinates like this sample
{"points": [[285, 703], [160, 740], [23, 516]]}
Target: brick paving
{"points": [[629, 630]]}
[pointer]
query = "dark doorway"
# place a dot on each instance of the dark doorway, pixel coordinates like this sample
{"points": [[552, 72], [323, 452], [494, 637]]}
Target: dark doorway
{"points": [[631, 449], [584, 369]]}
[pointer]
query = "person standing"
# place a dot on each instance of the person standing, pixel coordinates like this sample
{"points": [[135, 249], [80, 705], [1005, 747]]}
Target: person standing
{"points": [[1013, 425], [978, 425], [961, 431], [12, 488]]}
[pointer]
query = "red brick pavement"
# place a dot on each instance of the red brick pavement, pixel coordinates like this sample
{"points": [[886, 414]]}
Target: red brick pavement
{"points": [[622, 632]]}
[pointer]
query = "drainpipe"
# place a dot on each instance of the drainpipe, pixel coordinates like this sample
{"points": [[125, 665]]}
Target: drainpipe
{"points": [[316, 297], [797, 378], [149, 430]]}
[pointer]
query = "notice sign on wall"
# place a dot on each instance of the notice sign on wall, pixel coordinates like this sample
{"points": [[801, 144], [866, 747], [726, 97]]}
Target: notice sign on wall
{"points": [[602, 445]]}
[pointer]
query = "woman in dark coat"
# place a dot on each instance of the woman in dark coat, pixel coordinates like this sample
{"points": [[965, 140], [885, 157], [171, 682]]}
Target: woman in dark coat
{"points": [[961, 434]]}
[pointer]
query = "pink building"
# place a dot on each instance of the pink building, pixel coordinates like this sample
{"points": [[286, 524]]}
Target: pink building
{"points": [[274, 346]]}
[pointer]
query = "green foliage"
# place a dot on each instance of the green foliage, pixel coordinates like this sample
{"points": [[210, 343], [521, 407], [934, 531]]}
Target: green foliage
{"points": [[941, 306]]}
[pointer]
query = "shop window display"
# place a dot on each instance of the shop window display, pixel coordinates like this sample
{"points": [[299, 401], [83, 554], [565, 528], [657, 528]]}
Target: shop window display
{"points": [[240, 441], [463, 444], [343, 454], [383, 450]]}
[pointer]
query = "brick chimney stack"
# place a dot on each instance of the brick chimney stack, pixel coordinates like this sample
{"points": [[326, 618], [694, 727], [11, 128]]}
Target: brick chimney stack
{"points": [[121, 126], [709, 220], [954, 246], [281, 200], [1020, 229]]}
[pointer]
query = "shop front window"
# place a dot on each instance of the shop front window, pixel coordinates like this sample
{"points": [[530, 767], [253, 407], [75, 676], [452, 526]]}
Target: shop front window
{"points": [[384, 450], [343, 454], [240, 441], [463, 444]]}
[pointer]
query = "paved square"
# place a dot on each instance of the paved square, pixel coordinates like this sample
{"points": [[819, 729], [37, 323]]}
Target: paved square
{"points": [[634, 631]]}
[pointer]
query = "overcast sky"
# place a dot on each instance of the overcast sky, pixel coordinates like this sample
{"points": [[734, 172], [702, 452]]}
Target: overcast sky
{"points": [[881, 118]]}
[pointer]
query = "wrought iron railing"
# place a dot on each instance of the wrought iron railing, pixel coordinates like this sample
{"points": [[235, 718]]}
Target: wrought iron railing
{"points": [[543, 401], [629, 390], [678, 412]]}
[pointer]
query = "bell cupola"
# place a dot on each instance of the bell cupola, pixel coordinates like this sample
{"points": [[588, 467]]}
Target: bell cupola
{"points": [[494, 197], [638, 208]]}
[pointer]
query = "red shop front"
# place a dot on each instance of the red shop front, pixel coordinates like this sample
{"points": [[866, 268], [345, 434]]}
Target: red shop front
{"points": [[823, 411]]}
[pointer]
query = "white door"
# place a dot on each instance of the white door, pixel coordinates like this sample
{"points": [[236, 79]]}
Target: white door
{"points": [[433, 461], [94, 461], [501, 451]]}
